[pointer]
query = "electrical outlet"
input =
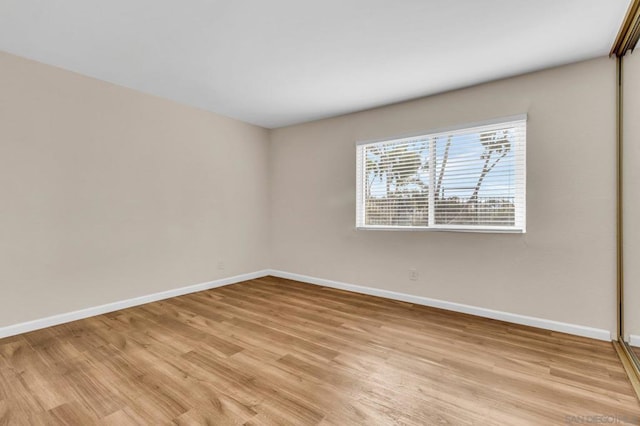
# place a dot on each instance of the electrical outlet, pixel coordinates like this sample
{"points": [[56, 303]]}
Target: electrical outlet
{"points": [[413, 274], [220, 265]]}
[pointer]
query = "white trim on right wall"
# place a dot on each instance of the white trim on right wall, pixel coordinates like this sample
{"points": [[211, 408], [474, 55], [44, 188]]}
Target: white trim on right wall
{"points": [[562, 327], [634, 340]]}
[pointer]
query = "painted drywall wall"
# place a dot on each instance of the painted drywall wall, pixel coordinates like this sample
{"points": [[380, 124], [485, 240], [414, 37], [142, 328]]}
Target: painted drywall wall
{"points": [[631, 193], [564, 267], [108, 194]]}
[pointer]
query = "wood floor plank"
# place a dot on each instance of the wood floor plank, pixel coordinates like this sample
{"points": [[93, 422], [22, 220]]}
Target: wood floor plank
{"points": [[278, 352]]}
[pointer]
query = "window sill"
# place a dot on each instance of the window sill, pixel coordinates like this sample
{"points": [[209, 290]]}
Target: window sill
{"points": [[496, 230]]}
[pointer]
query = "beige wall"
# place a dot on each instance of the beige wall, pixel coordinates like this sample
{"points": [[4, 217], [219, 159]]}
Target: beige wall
{"points": [[107, 193], [631, 188], [562, 269]]}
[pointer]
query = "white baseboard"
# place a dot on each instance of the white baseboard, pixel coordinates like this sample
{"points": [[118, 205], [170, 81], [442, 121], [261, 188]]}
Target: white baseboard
{"points": [[634, 340], [25, 327], [578, 330], [574, 329]]}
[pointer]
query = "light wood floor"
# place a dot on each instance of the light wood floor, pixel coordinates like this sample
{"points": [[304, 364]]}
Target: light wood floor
{"points": [[273, 351]]}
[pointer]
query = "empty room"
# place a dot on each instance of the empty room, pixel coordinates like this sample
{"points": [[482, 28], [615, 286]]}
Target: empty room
{"points": [[356, 212]]}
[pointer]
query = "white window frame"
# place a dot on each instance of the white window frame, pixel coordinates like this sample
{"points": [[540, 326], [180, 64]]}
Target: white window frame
{"points": [[520, 185]]}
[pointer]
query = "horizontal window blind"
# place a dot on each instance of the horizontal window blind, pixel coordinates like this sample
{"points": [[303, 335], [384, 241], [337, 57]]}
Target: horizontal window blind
{"points": [[469, 178]]}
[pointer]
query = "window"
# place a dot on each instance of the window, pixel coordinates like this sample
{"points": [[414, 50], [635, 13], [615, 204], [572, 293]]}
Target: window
{"points": [[466, 179]]}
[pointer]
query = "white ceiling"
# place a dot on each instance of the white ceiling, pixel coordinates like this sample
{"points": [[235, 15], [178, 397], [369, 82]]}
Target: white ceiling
{"points": [[279, 62]]}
